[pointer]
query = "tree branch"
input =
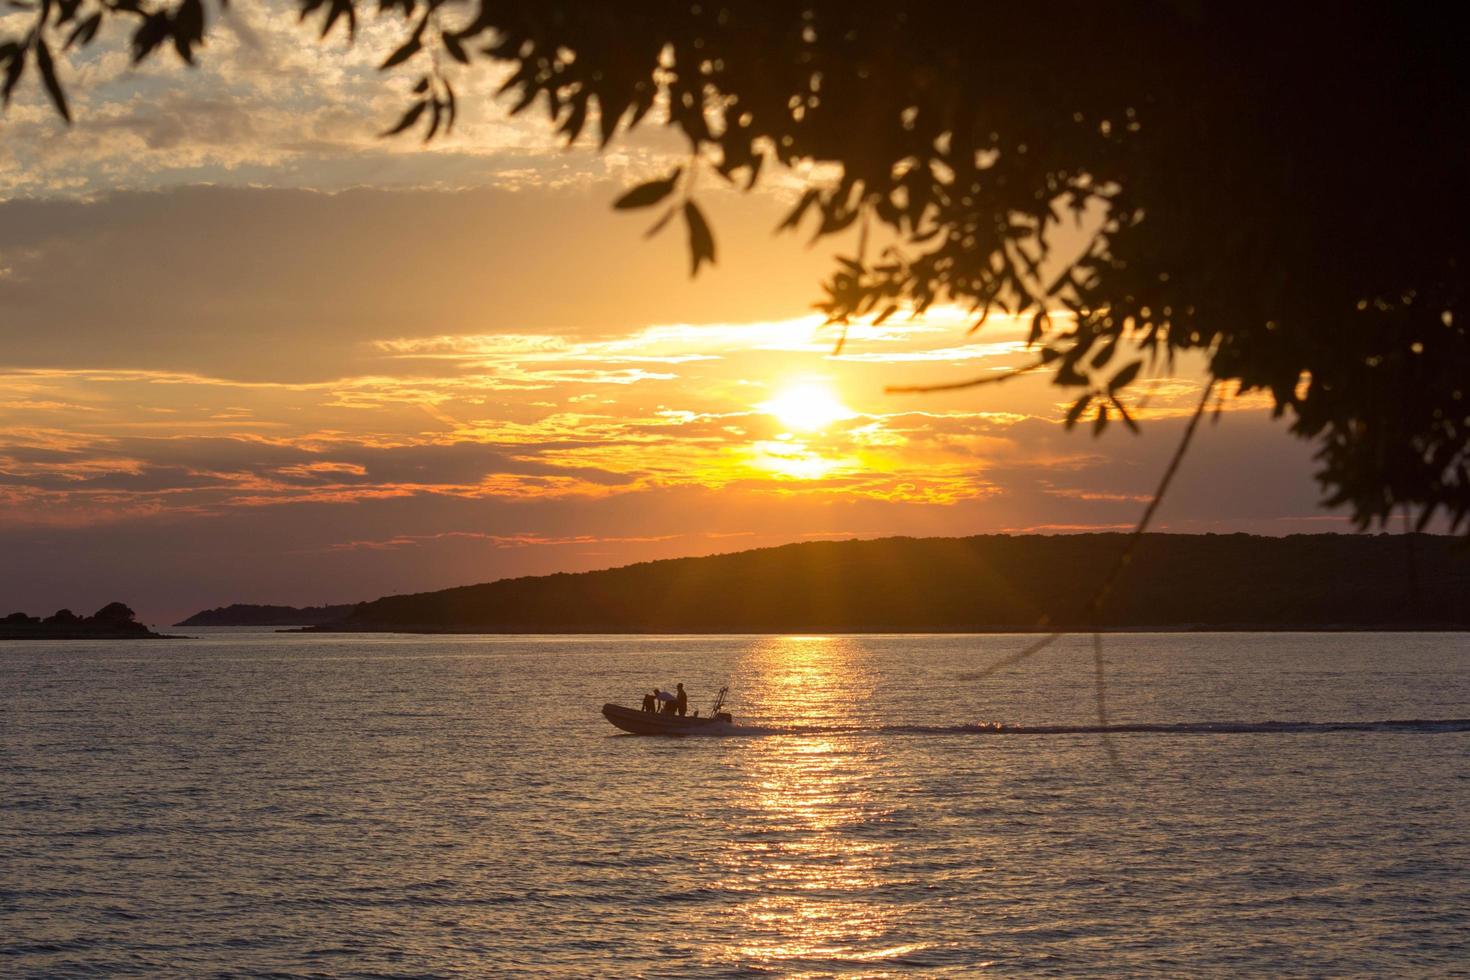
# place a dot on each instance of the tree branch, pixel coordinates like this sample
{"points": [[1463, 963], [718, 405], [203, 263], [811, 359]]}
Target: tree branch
{"points": [[972, 382], [1095, 604]]}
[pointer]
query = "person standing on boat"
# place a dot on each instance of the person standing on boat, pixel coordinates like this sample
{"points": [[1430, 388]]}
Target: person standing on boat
{"points": [[681, 701], [650, 701]]}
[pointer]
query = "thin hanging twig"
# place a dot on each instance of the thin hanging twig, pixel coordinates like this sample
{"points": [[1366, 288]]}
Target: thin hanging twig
{"points": [[1094, 605], [989, 379], [1102, 699]]}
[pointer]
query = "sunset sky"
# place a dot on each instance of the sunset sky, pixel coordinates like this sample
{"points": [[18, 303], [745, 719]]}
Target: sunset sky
{"points": [[255, 353]]}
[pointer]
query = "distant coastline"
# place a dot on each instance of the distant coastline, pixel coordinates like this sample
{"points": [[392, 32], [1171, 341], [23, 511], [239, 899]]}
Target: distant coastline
{"points": [[983, 584], [244, 614]]}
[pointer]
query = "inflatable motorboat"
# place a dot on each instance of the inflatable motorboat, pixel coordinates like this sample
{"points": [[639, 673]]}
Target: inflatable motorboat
{"points": [[638, 722]]}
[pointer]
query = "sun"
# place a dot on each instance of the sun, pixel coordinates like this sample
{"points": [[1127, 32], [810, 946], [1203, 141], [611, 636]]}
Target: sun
{"points": [[807, 406]]}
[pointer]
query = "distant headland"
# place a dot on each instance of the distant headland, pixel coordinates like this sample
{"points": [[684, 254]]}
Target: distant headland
{"points": [[114, 621], [241, 614], [988, 583]]}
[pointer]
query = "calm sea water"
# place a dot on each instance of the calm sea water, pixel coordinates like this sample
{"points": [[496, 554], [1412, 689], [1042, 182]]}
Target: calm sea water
{"points": [[250, 803]]}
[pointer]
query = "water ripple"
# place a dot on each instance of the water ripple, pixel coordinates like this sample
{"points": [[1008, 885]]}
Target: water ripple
{"points": [[258, 805]]}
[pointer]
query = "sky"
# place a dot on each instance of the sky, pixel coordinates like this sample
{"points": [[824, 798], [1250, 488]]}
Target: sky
{"points": [[253, 352]]}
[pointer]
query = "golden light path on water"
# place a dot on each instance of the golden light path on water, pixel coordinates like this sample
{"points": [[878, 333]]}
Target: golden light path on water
{"points": [[812, 860]]}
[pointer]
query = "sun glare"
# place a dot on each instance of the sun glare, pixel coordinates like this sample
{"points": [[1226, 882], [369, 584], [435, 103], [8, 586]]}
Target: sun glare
{"points": [[807, 406], [792, 459]]}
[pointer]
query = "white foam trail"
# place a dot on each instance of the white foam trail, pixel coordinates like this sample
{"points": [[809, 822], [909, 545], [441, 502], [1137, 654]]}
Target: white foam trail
{"points": [[1416, 726]]}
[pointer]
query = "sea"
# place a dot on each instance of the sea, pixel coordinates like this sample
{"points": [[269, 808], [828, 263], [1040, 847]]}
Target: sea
{"points": [[252, 803]]}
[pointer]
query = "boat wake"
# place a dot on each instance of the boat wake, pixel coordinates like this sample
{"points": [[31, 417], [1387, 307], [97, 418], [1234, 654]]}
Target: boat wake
{"points": [[1414, 726]]}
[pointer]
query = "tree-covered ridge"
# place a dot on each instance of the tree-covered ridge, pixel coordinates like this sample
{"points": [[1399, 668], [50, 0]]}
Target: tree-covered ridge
{"points": [[245, 614], [1280, 186], [976, 584]]}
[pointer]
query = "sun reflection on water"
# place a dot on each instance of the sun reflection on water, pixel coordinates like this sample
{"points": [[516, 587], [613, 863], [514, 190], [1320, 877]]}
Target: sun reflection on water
{"points": [[813, 831]]}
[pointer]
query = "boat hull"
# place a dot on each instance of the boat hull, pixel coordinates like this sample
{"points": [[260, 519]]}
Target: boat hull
{"points": [[637, 722]]}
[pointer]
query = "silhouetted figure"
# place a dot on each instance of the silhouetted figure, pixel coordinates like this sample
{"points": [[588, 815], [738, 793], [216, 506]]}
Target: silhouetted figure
{"points": [[667, 702], [650, 701], [682, 700]]}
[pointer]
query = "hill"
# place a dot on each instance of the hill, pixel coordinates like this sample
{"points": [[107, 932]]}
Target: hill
{"points": [[988, 583], [241, 614]]}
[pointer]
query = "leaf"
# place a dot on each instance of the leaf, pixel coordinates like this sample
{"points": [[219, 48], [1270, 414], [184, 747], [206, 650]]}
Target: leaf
{"points": [[610, 111], [409, 118], [1039, 324], [1101, 422], [455, 48], [1078, 407], [339, 9], [188, 28], [83, 33], [408, 49], [835, 221], [48, 75], [658, 225], [701, 241], [1124, 415], [149, 35], [888, 311], [794, 218], [1124, 377], [1067, 375], [646, 195], [571, 127], [17, 56], [755, 170]]}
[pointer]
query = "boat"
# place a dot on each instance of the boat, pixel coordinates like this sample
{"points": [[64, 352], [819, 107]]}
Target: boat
{"points": [[636, 721]]}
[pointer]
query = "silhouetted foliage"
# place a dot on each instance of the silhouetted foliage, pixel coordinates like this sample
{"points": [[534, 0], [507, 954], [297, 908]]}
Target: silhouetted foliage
{"points": [[985, 583], [114, 613], [113, 621], [1281, 186]]}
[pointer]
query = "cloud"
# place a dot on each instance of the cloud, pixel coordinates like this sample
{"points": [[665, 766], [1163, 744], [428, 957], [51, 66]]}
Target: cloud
{"points": [[267, 105], [517, 416], [296, 286]]}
